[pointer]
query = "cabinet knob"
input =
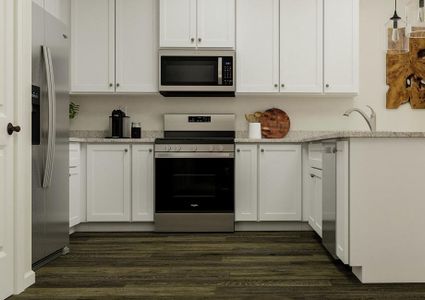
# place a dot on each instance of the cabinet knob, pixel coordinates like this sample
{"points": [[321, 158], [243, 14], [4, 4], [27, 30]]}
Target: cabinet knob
{"points": [[11, 129], [328, 86], [111, 85], [150, 150], [239, 150], [199, 40], [312, 175], [276, 85], [125, 150], [192, 40], [282, 85], [118, 85], [262, 150]]}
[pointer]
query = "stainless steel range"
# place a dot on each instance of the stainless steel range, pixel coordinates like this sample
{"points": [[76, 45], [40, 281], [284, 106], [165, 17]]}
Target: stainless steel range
{"points": [[194, 174]]}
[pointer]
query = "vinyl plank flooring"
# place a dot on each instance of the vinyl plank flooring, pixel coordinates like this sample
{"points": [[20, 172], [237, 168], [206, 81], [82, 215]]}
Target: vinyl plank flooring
{"points": [[244, 265]]}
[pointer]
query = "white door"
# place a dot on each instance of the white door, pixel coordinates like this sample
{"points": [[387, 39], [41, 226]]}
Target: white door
{"points": [[177, 23], [341, 46], [246, 183], [301, 46], [6, 149], [93, 46], [216, 23], [142, 187], [136, 46], [108, 183], [257, 41], [280, 187]]}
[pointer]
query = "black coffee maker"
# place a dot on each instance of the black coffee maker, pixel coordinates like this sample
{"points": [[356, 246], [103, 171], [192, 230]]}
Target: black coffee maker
{"points": [[119, 125]]}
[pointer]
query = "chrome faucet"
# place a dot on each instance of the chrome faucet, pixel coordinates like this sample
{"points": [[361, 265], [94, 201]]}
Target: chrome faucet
{"points": [[371, 121]]}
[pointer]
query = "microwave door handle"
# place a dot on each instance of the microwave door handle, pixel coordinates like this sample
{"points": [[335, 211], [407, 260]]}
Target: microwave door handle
{"points": [[220, 71]]}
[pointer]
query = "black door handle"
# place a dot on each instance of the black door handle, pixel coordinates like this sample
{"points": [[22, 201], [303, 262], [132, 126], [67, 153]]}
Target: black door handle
{"points": [[11, 129]]}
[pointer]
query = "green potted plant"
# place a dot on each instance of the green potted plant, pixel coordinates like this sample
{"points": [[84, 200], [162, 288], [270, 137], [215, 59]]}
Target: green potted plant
{"points": [[74, 109]]}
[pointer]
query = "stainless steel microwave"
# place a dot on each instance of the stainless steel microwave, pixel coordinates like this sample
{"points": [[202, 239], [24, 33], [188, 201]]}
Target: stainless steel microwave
{"points": [[197, 73]]}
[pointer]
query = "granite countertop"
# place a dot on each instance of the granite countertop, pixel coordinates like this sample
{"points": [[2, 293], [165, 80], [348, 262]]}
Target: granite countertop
{"points": [[293, 137]]}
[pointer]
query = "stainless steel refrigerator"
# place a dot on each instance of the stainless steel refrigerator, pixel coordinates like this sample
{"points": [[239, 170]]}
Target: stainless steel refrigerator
{"points": [[50, 135]]}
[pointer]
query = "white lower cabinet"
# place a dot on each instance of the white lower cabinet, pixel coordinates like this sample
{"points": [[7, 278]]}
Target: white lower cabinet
{"points": [[142, 183], [246, 196], [315, 197], [268, 183], [108, 183], [74, 185], [280, 186]]}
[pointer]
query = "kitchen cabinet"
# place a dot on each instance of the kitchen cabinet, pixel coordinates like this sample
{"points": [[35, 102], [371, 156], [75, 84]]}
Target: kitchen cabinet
{"points": [[197, 23], [342, 201], [315, 196], [246, 168], [136, 46], [142, 183], [114, 46], [296, 48], [280, 188], [93, 46], [74, 185], [301, 46], [108, 183], [341, 46], [257, 46]]}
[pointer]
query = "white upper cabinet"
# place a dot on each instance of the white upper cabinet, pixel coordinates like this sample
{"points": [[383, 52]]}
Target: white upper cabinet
{"points": [[142, 179], [136, 46], [61, 9], [246, 201], [93, 46], [216, 23], [177, 23], [301, 46], [341, 46], [197, 23], [280, 187], [257, 46], [108, 183]]}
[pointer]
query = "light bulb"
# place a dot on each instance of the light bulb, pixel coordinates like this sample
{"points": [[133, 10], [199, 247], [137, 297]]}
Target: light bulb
{"points": [[395, 36]]}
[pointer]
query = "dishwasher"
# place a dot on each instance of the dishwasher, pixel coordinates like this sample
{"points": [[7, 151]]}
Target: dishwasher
{"points": [[329, 197]]}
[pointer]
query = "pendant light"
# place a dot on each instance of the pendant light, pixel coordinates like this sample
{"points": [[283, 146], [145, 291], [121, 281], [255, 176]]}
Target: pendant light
{"points": [[415, 16], [396, 40]]}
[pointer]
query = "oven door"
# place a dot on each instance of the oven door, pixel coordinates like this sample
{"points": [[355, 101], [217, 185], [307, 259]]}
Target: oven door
{"points": [[188, 71], [201, 183]]}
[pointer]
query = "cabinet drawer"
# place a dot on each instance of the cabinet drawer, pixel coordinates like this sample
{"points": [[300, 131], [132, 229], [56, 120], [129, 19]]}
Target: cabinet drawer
{"points": [[74, 155], [315, 151]]}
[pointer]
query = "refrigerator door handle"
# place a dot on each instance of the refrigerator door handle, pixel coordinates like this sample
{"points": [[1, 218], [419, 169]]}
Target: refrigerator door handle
{"points": [[51, 136]]}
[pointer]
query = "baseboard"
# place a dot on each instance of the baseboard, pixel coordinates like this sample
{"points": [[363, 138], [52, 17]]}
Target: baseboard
{"points": [[150, 227], [272, 226]]}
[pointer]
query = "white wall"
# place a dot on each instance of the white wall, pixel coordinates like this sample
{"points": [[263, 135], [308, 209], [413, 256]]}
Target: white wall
{"points": [[307, 113]]}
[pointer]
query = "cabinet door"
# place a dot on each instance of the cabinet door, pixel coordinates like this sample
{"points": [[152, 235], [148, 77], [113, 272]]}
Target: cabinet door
{"points": [[301, 46], [280, 183], [136, 46], [257, 46], [216, 23], [342, 201], [74, 196], [246, 183], [341, 46], [108, 183], [142, 179], [60, 9], [93, 46], [177, 23], [315, 219]]}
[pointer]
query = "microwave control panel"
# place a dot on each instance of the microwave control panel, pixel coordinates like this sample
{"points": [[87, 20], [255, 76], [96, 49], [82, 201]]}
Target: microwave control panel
{"points": [[228, 71]]}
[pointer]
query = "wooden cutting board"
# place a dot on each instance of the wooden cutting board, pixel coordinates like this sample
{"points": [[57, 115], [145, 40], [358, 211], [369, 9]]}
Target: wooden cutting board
{"points": [[275, 124]]}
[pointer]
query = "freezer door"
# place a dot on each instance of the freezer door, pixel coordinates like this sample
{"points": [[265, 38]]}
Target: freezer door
{"points": [[57, 193]]}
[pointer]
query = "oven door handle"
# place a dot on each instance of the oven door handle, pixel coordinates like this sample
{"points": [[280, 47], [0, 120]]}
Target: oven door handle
{"points": [[195, 155]]}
